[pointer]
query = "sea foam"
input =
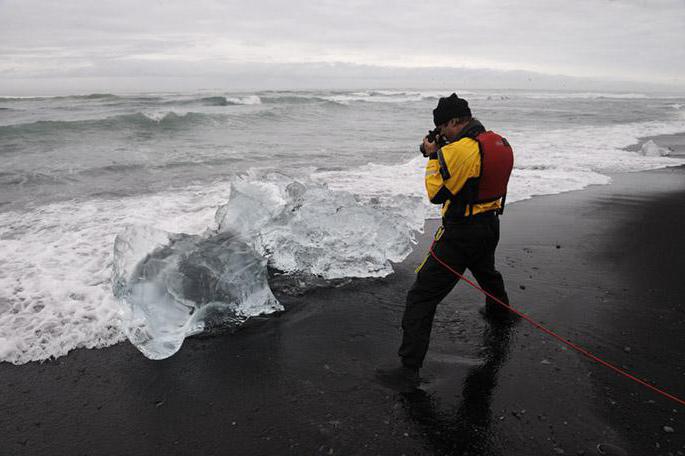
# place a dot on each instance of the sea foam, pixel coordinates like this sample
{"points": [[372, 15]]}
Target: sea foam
{"points": [[56, 268]]}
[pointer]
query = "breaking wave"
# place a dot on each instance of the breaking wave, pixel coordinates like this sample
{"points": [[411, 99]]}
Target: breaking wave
{"points": [[217, 101], [584, 95], [292, 99], [384, 96], [159, 119], [92, 96]]}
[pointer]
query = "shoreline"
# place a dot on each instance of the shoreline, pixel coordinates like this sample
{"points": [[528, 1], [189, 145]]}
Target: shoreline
{"points": [[595, 265]]}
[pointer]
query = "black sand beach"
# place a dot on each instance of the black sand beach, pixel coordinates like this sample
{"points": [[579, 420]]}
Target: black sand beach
{"points": [[603, 266]]}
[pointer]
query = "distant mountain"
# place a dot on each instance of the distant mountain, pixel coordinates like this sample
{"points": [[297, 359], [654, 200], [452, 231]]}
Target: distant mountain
{"points": [[144, 76], [324, 75]]}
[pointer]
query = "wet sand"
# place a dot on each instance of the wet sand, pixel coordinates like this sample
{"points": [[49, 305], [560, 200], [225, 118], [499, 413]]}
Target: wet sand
{"points": [[603, 266]]}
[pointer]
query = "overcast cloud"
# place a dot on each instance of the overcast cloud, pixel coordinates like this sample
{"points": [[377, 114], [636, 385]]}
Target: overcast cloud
{"points": [[49, 44]]}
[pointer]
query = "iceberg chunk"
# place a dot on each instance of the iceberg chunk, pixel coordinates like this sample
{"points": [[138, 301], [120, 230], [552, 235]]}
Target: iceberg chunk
{"points": [[313, 230], [652, 149], [177, 285]]}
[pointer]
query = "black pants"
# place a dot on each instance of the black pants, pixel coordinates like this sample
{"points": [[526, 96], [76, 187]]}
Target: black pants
{"points": [[467, 244]]}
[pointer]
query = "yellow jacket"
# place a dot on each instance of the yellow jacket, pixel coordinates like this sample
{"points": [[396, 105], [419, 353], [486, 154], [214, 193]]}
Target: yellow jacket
{"points": [[449, 170]]}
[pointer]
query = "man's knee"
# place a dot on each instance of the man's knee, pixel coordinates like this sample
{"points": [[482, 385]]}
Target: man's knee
{"points": [[426, 290]]}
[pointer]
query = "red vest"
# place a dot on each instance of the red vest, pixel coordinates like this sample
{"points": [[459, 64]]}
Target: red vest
{"points": [[496, 163]]}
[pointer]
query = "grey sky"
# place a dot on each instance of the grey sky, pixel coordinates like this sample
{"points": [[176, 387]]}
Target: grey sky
{"points": [[81, 41]]}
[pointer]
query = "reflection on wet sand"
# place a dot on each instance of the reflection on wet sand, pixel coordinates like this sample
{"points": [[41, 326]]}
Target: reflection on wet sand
{"points": [[466, 430]]}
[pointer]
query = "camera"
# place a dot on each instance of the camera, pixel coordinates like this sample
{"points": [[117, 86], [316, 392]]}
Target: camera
{"points": [[433, 136]]}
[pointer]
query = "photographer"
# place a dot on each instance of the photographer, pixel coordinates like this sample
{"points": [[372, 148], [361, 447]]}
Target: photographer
{"points": [[467, 173]]}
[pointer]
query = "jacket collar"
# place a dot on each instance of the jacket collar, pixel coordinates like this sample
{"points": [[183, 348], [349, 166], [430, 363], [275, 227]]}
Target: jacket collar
{"points": [[470, 130]]}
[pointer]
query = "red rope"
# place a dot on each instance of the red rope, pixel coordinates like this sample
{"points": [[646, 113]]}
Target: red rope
{"points": [[558, 337]]}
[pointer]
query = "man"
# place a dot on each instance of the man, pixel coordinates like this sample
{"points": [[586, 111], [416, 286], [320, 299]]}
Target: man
{"points": [[468, 176]]}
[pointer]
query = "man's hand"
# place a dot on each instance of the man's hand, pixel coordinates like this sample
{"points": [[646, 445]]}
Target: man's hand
{"points": [[429, 148]]}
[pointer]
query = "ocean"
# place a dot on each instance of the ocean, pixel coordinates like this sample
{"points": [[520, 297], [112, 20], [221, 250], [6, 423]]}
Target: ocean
{"points": [[78, 170]]}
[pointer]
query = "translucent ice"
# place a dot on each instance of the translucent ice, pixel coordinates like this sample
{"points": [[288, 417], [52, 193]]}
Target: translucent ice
{"points": [[307, 228], [652, 149], [176, 285]]}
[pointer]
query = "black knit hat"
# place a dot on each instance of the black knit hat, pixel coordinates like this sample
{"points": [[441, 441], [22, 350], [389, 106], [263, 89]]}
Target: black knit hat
{"points": [[449, 108]]}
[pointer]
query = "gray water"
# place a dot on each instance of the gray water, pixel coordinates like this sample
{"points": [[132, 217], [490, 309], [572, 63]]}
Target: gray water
{"points": [[110, 146]]}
